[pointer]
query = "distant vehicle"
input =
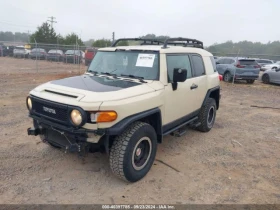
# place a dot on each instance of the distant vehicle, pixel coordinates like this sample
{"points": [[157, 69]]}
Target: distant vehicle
{"points": [[271, 76], [262, 62], [55, 55], [239, 69], [38, 53], [9, 51], [73, 56], [2, 50], [89, 55], [271, 66], [20, 51]]}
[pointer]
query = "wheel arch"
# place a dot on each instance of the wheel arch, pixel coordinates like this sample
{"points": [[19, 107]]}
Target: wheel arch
{"points": [[152, 117], [215, 94]]}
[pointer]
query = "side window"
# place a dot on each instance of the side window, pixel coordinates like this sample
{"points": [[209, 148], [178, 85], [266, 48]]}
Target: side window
{"points": [[221, 61], [178, 61], [213, 63], [198, 65]]}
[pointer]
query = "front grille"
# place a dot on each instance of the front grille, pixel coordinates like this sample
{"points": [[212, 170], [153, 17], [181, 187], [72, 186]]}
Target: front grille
{"points": [[58, 112]]}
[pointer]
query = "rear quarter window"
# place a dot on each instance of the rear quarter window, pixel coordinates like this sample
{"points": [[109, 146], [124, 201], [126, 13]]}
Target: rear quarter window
{"points": [[198, 65], [213, 63]]}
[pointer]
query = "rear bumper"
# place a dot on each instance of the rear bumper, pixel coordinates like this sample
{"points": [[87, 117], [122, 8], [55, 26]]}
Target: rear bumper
{"points": [[246, 77]]}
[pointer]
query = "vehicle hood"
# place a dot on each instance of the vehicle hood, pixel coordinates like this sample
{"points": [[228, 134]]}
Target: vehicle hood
{"points": [[92, 89]]}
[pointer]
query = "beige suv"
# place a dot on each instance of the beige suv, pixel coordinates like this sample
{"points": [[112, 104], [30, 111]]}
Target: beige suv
{"points": [[127, 100]]}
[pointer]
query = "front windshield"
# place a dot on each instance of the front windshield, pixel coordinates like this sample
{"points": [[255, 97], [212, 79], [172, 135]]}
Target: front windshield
{"points": [[136, 63]]}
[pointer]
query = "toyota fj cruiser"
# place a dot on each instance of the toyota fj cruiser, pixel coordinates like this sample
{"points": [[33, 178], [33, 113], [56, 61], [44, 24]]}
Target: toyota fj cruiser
{"points": [[127, 100]]}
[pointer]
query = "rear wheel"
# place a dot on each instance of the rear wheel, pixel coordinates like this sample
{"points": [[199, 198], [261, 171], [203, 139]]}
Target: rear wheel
{"points": [[265, 78], [250, 81], [227, 77], [133, 152], [207, 115]]}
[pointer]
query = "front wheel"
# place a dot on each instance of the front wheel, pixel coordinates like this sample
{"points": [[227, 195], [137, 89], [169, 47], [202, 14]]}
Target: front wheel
{"points": [[265, 78], [133, 152], [207, 115]]}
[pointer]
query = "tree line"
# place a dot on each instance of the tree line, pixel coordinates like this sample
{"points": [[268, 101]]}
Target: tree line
{"points": [[45, 34], [245, 48]]}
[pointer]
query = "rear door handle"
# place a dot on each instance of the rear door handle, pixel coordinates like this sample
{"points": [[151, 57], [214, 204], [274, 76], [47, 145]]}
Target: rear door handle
{"points": [[194, 86]]}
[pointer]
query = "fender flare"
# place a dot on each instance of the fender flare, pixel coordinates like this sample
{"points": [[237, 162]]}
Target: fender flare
{"points": [[119, 127], [217, 88]]}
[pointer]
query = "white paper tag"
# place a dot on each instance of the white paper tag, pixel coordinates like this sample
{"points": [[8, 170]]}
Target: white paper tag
{"points": [[145, 60]]}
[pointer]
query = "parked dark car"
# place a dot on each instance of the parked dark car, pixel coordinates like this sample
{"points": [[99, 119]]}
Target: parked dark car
{"points": [[73, 56], [55, 55], [9, 51], [239, 69], [38, 53], [2, 50], [89, 55]]}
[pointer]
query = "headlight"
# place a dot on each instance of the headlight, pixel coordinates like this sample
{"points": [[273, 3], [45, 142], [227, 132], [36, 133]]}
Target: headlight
{"points": [[29, 103], [103, 116], [76, 117]]}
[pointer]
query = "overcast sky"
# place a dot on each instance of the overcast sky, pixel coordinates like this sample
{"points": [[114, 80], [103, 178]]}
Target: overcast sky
{"points": [[207, 20]]}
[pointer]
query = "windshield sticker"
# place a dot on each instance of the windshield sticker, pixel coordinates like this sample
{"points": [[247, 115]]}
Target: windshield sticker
{"points": [[145, 60]]}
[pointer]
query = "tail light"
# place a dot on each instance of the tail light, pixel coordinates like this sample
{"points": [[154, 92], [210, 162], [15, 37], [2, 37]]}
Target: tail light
{"points": [[220, 77], [257, 66], [238, 65]]}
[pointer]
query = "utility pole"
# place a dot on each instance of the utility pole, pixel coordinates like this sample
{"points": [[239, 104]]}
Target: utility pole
{"points": [[113, 36], [52, 20], [28, 36]]}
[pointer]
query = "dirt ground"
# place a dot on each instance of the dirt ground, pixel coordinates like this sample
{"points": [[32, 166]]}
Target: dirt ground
{"points": [[238, 161]]}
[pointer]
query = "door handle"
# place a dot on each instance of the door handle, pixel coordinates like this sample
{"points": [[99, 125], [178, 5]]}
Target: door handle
{"points": [[194, 86]]}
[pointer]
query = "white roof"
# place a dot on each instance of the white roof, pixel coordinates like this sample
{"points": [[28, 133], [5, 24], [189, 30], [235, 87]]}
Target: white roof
{"points": [[169, 49]]}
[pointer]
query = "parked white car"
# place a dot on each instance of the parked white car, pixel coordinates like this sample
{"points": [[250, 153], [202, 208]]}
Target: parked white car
{"points": [[271, 66], [20, 51]]}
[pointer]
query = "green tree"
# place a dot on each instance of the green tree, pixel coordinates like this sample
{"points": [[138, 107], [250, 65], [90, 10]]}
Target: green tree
{"points": [[89, 42], [44, 34], [123, 43], [102, 43], [72, 39]]}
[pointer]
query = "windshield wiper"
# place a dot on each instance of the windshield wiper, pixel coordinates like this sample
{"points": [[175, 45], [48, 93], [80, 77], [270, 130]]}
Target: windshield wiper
{"points": [[141, 79], [109, 74], [95, 72]]}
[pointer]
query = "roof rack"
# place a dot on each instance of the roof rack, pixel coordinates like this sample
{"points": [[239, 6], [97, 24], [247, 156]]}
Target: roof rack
{"points": [[150, 41], [186, 42]]}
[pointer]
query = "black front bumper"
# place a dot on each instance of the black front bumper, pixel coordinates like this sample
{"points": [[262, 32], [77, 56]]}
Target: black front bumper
{"points": [[67, 138]]}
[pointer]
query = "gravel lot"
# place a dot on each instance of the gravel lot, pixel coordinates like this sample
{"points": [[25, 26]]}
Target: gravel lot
{"points": [[238, 161]]}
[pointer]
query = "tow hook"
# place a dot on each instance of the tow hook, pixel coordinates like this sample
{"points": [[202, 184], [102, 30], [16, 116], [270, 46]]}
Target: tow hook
{"points": [[34, 131]]}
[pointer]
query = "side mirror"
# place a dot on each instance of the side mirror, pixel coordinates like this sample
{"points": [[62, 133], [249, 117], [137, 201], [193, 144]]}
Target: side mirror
{"points": [[179, 75]]}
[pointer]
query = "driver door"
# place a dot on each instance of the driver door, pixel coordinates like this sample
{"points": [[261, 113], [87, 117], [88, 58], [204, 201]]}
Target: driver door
{"points": [[180, 104]]}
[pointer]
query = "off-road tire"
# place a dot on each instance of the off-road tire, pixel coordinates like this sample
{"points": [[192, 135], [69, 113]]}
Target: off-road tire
{"points": [[250, 81], [203, 115], [122, 149]]}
